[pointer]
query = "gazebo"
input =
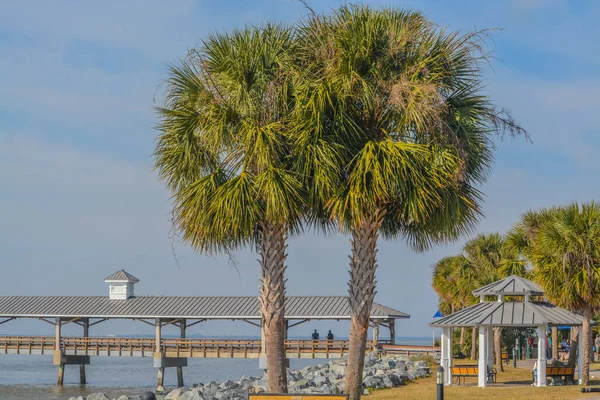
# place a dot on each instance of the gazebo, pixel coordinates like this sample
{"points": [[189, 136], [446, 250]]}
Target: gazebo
{"points": [[521, 313]]}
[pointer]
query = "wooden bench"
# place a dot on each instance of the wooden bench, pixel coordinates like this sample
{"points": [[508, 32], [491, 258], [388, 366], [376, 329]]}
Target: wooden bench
{"points": [[568, 373], [466, 371], [273, 396]]}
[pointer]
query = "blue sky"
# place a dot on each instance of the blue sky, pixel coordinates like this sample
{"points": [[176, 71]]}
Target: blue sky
{"points": [[79, 200]]}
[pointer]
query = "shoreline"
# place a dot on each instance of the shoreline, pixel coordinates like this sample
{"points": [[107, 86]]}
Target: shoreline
{"points": [[327, 378]]}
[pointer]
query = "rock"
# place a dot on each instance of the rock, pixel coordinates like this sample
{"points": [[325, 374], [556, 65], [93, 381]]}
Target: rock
{"points": [[321, 380], [97, 396], [371, 359], [174, 394], [229, 384], [123, 397], [303, 384], [339, 369], [365, 391], [194, 394], [373, 382], [387, 382]]}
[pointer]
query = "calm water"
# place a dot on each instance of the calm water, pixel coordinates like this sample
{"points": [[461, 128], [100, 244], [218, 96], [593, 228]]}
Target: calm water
{"points": [[34, 377]]}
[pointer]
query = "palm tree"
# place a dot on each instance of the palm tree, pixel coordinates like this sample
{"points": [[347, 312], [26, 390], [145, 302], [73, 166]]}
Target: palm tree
{"points": [[445, 283], [223, 151], [485, 251], [567, 264], [482, 261], [519, 247], [395, 139]]}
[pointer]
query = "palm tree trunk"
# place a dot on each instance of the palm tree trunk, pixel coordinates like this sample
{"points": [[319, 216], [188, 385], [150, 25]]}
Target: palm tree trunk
{"points": [[474, 343], [498, 348], [586, 344], [555, 342], [272, 298], [574, 345], [462, 338], [361, 294]]}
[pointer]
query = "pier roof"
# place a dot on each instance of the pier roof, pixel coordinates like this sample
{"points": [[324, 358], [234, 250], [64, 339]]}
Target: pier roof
{"points": [[203, 307]]}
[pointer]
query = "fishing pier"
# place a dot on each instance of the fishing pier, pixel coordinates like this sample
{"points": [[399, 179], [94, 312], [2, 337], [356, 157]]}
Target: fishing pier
{"points": [[182, 312]]}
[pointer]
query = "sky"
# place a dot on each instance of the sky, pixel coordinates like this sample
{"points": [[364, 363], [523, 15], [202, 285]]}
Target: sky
{"points": [[79, 199]]}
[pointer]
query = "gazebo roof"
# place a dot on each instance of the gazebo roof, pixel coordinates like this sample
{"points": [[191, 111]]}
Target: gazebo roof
{"points": [[512, 286], [510, 313]]}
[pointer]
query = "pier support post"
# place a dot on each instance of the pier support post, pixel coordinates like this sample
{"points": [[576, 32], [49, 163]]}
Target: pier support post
{"points": [[158, 354], [375, 343], [61, 374], [161, 380], [58, 351], [262, 355], [182, 326], [86, 331]]}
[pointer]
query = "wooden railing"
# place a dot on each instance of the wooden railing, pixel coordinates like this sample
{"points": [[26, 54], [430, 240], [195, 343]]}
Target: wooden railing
{"points": [[143, 347], [27, 344], [408, 350], [171, 347], [219, 348]]}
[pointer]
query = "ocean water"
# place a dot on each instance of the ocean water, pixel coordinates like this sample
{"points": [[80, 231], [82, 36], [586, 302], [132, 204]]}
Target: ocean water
{"points": [[34, 377]]}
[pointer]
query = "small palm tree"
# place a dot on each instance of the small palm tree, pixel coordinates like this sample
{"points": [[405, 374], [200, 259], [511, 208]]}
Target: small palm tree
{"points": [[394, 137], [223, 151], [567, 264], [484, 252]]}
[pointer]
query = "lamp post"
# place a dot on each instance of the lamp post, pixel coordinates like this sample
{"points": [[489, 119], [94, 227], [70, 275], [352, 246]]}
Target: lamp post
{"points": [[440, 382]]}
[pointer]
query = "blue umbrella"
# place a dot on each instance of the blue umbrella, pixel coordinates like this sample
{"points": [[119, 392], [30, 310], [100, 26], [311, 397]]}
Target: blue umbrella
{"points": [[438, 314]]}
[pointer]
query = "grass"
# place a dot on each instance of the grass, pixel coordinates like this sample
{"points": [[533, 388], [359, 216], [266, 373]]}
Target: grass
{"points": [[426, 388]]}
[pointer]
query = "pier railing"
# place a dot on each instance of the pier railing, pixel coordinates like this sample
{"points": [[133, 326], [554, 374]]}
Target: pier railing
{"points": [[170, 347], [188, 347]]}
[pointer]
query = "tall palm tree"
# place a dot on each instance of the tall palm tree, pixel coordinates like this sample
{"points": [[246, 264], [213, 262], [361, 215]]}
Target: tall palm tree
{"points": [[567, 264], [396, 137], [223, 151]]}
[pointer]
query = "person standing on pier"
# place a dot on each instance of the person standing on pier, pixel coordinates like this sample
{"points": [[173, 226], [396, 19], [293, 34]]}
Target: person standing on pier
{"points": [[315, 335]]}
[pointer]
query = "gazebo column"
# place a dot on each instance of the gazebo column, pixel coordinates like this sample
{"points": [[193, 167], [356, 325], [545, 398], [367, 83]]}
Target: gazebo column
{"points": [[541, 366], [483, 347], [489, 343], [446, 361], [580, 354]]}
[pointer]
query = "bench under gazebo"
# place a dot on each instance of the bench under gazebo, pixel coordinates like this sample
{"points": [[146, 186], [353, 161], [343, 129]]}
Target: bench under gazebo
{"points": [[521, 312]]}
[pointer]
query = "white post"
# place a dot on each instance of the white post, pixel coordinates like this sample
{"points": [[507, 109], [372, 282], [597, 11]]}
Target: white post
{"points": [[446, 361], [500, 298], [482, 378], [490, 346], [481, 298], [579, 354], [541, 367]]}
